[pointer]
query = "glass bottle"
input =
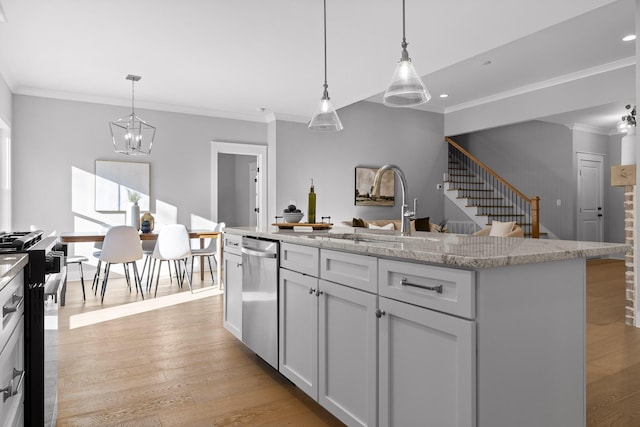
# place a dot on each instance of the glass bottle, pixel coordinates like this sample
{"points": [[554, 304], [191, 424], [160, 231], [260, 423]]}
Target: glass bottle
{"points": [[311, 209]]}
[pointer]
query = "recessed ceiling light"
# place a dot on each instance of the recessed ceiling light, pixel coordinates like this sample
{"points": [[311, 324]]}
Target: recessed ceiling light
{"points": [[487, 62], [629, 38], [444, 95]]}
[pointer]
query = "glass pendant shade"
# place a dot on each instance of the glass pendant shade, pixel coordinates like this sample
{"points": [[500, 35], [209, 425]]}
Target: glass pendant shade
{"points": [[325, 118], [406, 88], [131, 135]]}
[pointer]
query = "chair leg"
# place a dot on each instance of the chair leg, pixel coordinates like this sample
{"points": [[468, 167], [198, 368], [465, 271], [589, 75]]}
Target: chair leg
{"points": [[96, 278], [126, 274], [137, 279], [188, 277], [150, 274], [192, 257], [170, 276], [104, 281], [144, 267], [158, 278], [84, 298], [213, 282]]}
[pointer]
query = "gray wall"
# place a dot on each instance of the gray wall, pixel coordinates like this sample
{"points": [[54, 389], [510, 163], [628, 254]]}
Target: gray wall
{"points": [[373, 135], [539, 158], [233, 189], [614, 196], [56, 143]]}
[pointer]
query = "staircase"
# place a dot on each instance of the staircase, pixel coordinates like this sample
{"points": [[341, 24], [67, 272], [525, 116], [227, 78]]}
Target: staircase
{"points": [[484, 196]]}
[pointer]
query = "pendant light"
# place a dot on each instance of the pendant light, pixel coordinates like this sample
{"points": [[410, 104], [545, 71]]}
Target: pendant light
{"points": [[325, 118], [131, 135], [406, 88]]}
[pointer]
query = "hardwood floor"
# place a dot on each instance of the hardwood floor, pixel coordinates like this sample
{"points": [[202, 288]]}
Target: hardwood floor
{"points": [[613, 350], [177, 366], [174, 366]]}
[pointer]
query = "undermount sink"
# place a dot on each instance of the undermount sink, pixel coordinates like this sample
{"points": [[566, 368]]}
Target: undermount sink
{"points": [[380, 238]]}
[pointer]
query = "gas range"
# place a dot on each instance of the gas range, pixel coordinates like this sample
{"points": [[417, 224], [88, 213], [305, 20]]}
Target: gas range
{"points": [[19, 241]]}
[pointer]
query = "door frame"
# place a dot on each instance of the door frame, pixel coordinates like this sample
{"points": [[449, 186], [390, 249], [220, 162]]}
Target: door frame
{"points": [[260, 151], [580, 155]]}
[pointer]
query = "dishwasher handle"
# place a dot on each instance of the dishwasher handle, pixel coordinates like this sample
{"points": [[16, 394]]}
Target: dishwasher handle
{"points": [[258, 252]]}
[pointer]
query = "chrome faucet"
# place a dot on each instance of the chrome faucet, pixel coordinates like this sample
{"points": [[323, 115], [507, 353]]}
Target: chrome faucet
{"points": [[407, 215]]}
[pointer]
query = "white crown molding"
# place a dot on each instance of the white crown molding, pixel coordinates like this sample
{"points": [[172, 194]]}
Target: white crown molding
{"points": [[588, 72], [291, 118], [261, 117], [593, 129]]}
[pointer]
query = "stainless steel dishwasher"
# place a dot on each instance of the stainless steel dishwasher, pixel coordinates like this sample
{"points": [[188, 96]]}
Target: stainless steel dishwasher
{"points": [[260, 298]]}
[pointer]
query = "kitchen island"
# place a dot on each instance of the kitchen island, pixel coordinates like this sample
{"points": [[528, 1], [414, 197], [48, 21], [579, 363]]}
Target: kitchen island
{"points": [[432, 329]]}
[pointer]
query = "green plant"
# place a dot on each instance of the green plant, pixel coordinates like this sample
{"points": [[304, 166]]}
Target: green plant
{"points": [[631, 117], [134, 196]]}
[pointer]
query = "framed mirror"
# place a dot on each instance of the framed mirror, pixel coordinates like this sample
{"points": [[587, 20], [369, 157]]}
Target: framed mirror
{"points": [[114, 182]]}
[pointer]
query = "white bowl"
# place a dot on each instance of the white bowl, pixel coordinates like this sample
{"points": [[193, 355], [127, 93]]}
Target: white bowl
{"points": [[292, 217]]}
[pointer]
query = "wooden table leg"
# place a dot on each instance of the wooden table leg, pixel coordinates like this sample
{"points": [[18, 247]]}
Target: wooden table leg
{"points": [[201, 261]]}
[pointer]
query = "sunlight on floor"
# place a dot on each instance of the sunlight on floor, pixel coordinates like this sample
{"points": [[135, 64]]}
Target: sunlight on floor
{"points": [[98, 316]]}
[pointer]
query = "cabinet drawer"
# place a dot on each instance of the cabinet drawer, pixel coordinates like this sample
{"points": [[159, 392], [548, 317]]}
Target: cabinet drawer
{"points": [[303, 259], [232, 243], [12, 375], [12, 304], [444, 289], [358, 271]]}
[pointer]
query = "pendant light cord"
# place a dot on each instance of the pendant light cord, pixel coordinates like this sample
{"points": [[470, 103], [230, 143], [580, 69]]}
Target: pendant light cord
{"points": [[325, 45], [133, 111], [404, 39]]}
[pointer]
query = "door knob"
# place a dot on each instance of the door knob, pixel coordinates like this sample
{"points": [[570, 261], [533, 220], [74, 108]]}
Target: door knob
{"points": [[380, 313]]}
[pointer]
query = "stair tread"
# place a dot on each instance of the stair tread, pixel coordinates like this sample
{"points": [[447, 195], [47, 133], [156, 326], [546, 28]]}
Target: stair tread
{"points": [[480, 198]]}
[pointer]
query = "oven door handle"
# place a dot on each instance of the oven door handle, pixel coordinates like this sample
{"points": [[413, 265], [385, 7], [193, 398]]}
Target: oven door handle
{"points": [[16, 303]]}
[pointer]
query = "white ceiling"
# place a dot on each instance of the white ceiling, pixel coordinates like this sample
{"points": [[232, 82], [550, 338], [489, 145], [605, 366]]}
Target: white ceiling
{"points": [[231, 58]]}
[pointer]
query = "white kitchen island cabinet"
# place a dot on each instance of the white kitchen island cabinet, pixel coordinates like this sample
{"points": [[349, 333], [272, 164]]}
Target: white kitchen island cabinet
{"points": [[467, 331], [328, 339], [427, 367], [232, 268]]}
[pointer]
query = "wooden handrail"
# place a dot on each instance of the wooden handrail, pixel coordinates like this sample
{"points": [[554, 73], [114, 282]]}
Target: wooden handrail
{"points": [[534, 201]]}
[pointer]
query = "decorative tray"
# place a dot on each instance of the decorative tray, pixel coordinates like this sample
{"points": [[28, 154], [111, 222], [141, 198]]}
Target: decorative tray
{"points": [[290, 225]]}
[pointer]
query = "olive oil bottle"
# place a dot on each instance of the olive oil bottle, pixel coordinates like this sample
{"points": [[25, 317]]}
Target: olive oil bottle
{"points": [[311, 209]]}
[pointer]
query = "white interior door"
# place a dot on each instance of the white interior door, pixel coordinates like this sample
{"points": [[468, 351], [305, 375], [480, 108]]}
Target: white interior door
{"points": [[253, 194], [590, 197]]}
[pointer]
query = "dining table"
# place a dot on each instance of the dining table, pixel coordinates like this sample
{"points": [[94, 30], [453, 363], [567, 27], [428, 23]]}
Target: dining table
{"points": [[98, 236]]}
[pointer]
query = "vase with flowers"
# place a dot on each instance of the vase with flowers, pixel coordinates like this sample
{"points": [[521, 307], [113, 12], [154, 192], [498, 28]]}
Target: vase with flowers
{"points": [[134, 215], [628, 144]]}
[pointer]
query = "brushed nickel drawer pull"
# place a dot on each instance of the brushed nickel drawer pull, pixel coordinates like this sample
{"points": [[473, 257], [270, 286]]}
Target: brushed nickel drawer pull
{"points": [[16, 303], [437, 288]]}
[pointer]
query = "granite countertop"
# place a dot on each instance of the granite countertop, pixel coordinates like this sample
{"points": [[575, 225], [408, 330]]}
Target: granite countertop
{"points": [[10, 266], [459, 250]]}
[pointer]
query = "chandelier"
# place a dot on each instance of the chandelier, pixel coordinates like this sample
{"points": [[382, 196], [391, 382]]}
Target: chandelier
{"points": [[131, 135]]}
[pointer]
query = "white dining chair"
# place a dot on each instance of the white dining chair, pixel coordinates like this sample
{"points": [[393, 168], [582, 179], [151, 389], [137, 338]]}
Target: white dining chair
{"points": [[211, 251], [121, 246], [173, 245]]}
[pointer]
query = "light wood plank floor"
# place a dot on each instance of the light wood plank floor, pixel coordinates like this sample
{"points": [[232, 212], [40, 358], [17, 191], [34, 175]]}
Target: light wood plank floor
{"points": [[177, 366]]}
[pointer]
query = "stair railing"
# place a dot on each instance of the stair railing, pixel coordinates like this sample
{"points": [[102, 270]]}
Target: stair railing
{"points": [[479, 181]]}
